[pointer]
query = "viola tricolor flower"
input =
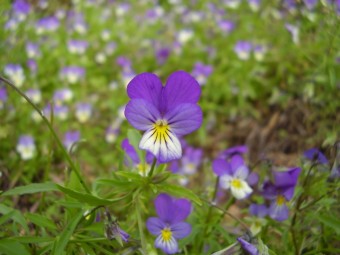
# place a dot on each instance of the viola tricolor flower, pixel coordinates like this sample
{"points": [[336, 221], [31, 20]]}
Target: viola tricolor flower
{"points": [[243, 49], [280, 192], [259, 211], [34, 95], [70, 138], [247, 246], [21, 9], [47, 24], [26, 147], [235, 150], [202, 72], [170, 225], [316, 156], [77, 46], [83, 112], [227, 26], [15, 73], [3, 96], [165, 112], [72, 74], [32, 50], [62, 95], [233, 175]]}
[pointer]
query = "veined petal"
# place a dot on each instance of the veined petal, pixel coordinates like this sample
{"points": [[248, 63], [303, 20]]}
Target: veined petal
{"points": [[181, 230], [169, 247], [278, 212], [155, 225], [162, 143], [184, 119], [180, 210], [141, 114], [163, 205], [221, 167], [145, 86], [180, 88]]}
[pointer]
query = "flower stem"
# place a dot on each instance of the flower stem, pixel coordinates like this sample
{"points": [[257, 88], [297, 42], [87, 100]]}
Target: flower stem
{"points": [[67, 156], [140, 226], [152, 167]]}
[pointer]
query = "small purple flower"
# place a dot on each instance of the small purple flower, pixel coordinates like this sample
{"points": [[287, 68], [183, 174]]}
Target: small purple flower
{"points": [[72, 74], [124, 63], [202, 72], [248, 247], [170, 225], [112, 133], [162, 55], [32, 65], [77, 46], [3, 96], [316, 156], [166, 113], [47, 24], [34, 95], [310, 4], [26, 147], [21, 9], [189, 163], [233, 175], [32, 50], [254, 5], [236, 150], [227, 26], [294, 31], [83, 112], [243, 49], [70, 138], [59, 111], [259, 211], [280, 192], [259, 52], [78, 23], [110, 48], [15, 73]]}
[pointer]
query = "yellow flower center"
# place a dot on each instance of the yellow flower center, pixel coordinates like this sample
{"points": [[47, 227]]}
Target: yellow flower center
{"points": [[166, 234], [236, 183], [161, 130], [143, 168], [280, 200]]}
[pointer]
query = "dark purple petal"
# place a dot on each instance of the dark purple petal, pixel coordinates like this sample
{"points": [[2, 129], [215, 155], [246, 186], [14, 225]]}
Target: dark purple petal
{"points": [[155, 225], [146, 86], [287, 178], [248, 247], [181, 209], [181, 230], [130, 151], [288, 192], [180, 88], [141, 114], [240, 149], [269, 190], [221, 167], [184, 119], [315, 155], [258, 210], [278, 212], [163, 205]]}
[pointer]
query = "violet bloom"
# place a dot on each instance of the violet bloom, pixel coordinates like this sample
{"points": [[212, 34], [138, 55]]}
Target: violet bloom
{"points": [[72, 74], [189, 163], [3, 96], [15, 73], [236, 150], [59, 111], [170, 225], [164, 112], [259, 211], [32, 65], [254, 5], [62, 95], [243, 49], [123, 62], [259, 52], [248, 247], [47, 24], [233, 175], [112, 133], [34, 95], [227, 26], [26, 147], [162, 55], [21, 9], [77, 46], [132, 156], [310, 4], [280, 192], [201, 72], [71, 138], [113, 231], [316, 156], [32, 50], [83, 112]]}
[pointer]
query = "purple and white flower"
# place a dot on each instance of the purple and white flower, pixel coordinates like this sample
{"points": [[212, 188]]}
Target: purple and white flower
{"points": [[164, 112], [77, 46], [202, 72], [83, 112], [243, 49], [315, 155], [169, 226], [15, 73], [26, 147], [3, 96], [71, 138], [47, 24], [233, 175], [32, 50], [72, 74], [34, 95]]}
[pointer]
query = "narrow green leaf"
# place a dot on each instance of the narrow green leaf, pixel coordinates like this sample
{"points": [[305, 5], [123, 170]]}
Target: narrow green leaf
{"points": [[330, 221], [179, 191], [88, 198], [15, 216], [131, 176], [12, 247], [31, 188], [62, 240], [32, 239], [41, 221]]}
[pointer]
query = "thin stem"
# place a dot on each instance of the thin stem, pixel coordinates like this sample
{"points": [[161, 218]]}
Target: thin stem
{"points": [[152, 167], [67, 156], [140, 226]]}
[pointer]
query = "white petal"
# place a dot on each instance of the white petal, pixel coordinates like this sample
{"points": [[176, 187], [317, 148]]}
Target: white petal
{"points": [[241, 192], [225, 181], [163, 145]]}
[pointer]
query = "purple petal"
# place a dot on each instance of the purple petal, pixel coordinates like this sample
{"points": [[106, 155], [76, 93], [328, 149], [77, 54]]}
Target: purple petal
{"points": [[236, 162], [248, 247], [221, 167], [278, 212], [184, 119], [141, 114], [163, 205], [269, 191], [130, 151], [181, 230], [155, 225], [258, 210], [180, 88], [288, 192], [315, 155], [180, 211], [287, 178], [146, 86], [253, 179], [240, 149]]}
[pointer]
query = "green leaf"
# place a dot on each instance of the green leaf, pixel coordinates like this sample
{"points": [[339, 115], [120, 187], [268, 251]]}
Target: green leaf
{"points": [[15, 216], [88, 198], [31, 188], [62, 240], [330, 221], [131, 176], [179, 191], [118, 185], [41, 221], [12, 247], [32, 239]]}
